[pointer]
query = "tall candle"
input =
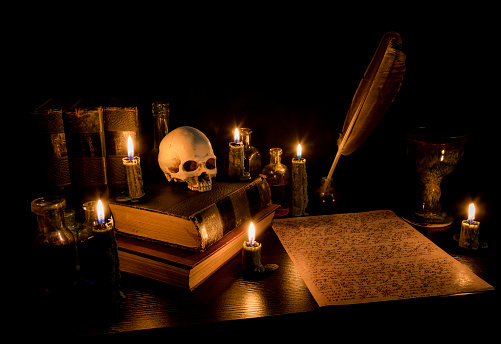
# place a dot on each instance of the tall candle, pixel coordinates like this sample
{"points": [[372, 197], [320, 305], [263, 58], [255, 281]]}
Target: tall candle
{"points": [[133, 171], [468, 237], [299, 184], [236, 157]]}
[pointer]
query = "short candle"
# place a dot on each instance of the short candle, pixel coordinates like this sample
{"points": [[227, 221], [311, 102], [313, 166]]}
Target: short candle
{"points": [[468, 237]]}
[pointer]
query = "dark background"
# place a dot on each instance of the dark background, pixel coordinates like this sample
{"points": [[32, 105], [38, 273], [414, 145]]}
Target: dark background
{"points": [[287, 73]]}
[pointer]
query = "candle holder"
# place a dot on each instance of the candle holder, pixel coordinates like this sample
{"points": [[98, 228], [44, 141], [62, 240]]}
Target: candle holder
{"points": [[434, 156]]}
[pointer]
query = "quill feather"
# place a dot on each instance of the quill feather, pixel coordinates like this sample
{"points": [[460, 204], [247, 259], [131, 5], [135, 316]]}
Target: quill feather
{"points": [[374, 94]]}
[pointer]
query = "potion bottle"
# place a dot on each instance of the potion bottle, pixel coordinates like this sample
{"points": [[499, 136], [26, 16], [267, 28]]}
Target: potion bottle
{"points": [[278, 177], [55, 254], [252, 156], [160, 113]]}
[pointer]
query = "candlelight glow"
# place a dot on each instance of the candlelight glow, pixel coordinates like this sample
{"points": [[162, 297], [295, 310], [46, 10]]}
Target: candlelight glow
{"points": [[236, 136], [252, 233], [130, 149], [299, 151], [471, 213], [100, 211]]}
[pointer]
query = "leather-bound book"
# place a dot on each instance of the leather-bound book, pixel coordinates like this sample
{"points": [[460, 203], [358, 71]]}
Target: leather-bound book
{"points": [[50, 148], [172, 214], [84, 127], [183, 268]]}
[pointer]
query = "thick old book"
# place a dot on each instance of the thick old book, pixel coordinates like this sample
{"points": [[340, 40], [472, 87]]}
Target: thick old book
{"points": [[48, 131], [84, 127], [186, 269], [173, 214]]}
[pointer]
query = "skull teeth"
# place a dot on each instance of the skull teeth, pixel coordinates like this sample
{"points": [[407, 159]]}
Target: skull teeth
{"points": [[200, 183]]}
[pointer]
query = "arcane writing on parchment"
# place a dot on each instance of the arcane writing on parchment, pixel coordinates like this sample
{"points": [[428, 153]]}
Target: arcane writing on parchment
{"points": [[371, 256]]}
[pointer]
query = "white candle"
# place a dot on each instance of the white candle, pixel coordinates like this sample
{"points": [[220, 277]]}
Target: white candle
{"points": [[468, 237], [133, 171]]}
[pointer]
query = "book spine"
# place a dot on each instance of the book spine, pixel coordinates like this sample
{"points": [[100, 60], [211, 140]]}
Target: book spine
{"points": [[220, 218], [119, 123], [51, 149], [86, 146]]}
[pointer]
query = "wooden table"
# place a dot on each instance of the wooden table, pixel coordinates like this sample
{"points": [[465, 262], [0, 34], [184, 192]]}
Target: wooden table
{"points": [[281, 303]]}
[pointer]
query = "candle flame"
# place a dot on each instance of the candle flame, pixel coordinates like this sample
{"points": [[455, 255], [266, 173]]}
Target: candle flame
{"points": [[130, 149], [252, 233], [236, 136], [299, 151], [471, 213], [100, 212]]}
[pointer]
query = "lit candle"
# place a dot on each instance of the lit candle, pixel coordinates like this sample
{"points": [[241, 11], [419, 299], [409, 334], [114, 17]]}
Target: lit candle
{"points": [[133, 171], [100, 266], [468, 237], [299, 184], [251, 254], [236, 157]]}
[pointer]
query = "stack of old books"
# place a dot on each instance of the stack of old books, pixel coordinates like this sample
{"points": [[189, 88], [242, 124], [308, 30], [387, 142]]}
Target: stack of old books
{"points": [[181, 237]]}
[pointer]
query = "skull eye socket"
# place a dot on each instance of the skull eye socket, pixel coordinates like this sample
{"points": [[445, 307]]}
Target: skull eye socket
{"points": [[210, 163], [190, 166]]}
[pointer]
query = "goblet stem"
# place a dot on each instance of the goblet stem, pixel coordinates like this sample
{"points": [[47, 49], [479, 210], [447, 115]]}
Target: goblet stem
{"points": [[430, 196]]}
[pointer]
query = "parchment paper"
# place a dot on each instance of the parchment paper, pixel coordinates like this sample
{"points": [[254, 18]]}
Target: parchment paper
{"points": [[369, 257]]}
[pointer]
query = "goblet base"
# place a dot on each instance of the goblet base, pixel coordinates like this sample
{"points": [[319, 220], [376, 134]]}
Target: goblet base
{"points": [[429, 220]]}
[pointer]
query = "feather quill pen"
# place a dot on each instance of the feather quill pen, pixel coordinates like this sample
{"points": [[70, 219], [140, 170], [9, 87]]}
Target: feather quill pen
{"points": [[375, 92]]}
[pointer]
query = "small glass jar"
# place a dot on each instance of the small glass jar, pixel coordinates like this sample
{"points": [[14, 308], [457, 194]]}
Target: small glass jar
{"points": [[325, 197], [252, 156], [55, 253], [278, 177]]}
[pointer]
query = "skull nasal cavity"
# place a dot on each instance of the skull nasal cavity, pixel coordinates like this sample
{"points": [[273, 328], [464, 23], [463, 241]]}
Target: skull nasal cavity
{"points": [[190, 166]]}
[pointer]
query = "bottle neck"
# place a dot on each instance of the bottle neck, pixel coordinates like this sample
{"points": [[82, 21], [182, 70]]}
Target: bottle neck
{"points": [[160, 122], [51, 221], [160, 129], [275, 155], [246, 136]]}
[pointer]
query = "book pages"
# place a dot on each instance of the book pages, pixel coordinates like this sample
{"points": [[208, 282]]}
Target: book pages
{"points": [[370, 257]]}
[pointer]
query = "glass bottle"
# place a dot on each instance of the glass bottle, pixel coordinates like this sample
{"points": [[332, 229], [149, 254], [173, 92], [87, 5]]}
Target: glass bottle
{"points": [[278, 176], [98, 254], [55, 262], [252, 162], [160, 113]]}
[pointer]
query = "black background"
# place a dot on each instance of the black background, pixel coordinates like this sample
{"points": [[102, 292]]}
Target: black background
{"points": [[287, 73]]}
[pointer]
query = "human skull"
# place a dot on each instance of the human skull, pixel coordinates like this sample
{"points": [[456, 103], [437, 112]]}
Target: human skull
{"points": [[185, 154]]}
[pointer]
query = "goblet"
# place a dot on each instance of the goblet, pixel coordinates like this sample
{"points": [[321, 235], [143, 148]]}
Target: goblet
{"points": [[434, 156]]}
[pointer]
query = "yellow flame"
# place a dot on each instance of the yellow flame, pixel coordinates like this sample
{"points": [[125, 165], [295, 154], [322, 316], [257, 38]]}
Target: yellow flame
{"points": [[471, 212], [252, 233], [299, 151], [130, 149], [100, 212]]}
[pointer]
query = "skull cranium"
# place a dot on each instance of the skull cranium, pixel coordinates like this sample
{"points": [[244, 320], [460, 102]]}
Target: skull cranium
{"points": [[185, 154]]}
